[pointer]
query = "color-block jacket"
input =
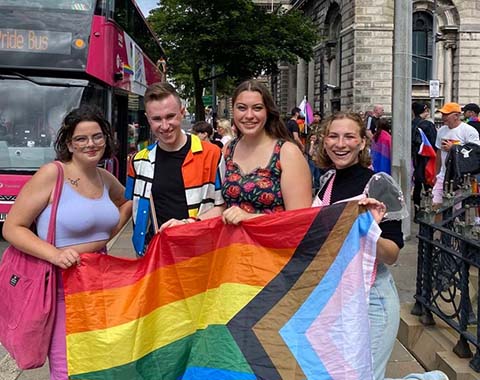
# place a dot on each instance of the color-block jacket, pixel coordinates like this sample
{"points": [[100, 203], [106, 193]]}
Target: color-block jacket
{"points": [[203, 171]]}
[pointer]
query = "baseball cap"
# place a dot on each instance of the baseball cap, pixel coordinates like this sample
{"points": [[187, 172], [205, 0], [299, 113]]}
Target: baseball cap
{"points": [[450, 108], [419, 108], [471, 107]]}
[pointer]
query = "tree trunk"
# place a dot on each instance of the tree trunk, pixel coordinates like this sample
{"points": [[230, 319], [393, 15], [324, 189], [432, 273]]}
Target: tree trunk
{"points": [[199, 106]]}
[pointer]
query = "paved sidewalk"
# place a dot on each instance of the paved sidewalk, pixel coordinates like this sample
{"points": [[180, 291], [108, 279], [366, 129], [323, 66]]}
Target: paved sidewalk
{"points": [[404, 271]]}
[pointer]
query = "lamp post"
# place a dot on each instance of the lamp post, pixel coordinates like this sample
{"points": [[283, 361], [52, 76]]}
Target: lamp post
{"points": [[322, 84], [434, 56]]}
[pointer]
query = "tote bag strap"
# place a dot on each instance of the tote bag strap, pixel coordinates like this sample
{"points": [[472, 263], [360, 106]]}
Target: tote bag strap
{"points": [[57, 192]]}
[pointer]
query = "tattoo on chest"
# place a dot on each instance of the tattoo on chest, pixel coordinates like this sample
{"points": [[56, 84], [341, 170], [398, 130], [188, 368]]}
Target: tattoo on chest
{"points": [[74, 182]]}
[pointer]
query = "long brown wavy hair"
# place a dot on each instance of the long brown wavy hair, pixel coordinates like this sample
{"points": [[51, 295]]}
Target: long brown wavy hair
{"points": [[364, 158], [274, 127]]}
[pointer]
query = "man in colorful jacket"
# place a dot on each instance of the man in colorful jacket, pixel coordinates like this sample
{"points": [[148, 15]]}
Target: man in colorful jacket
{"points": [[179, 173]]}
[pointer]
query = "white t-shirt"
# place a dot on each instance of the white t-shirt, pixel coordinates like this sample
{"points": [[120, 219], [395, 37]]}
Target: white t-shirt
{"points": [[462, 134], [225, 139]]}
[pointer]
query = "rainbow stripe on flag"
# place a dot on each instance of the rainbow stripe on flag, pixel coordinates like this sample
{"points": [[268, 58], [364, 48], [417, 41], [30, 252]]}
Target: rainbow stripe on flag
{"points": [[284, 296]]}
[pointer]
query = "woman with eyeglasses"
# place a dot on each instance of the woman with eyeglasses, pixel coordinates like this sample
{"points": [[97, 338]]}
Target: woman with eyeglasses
{"points": [[91, 210]]}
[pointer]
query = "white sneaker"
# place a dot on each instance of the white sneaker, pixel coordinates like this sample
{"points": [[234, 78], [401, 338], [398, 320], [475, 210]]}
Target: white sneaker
{"points": [[435, 375], [432, 375]]}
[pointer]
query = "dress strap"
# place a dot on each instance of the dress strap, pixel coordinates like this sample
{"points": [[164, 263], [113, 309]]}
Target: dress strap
{"points": [[231, 149]]}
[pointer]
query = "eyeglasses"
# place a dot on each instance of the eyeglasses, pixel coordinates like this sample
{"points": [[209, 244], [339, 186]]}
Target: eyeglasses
{"points": [[82, 141]]}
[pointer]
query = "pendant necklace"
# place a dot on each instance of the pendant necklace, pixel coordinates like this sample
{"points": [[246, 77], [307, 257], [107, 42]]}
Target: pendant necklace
{"points": [[74, 182]]}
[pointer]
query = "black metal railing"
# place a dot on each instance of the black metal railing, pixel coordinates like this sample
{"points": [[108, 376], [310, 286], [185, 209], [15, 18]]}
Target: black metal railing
{"points": [[448, 269]]}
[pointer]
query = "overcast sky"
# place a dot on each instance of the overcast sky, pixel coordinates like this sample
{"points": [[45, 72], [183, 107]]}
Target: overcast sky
{"points": [[146, 5]]}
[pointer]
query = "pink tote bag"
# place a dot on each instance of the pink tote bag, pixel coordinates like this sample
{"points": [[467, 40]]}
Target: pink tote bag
{"points": [[28, 298]]}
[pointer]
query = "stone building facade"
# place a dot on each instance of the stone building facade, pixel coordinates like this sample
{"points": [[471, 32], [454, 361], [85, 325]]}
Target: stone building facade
{"points": [[352, 67]]}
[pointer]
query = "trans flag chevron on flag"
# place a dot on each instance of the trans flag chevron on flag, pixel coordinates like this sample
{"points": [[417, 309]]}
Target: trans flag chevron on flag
{"points": [[426, 150], [281, 297]]}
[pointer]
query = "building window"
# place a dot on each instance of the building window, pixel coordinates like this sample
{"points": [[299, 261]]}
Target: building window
{"points": [[422, 47]]}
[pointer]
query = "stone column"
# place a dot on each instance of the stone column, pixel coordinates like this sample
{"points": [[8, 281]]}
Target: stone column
{"points": [[447, 71], [301, 73], [311, 82], [292, 88]]}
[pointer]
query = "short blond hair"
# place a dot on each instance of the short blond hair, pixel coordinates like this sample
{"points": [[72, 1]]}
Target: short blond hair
{"points": [[227, 127]]}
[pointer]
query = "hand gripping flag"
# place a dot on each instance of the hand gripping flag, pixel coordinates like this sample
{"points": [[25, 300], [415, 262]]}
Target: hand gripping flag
{"points": [[281, 297], [427, 150]]}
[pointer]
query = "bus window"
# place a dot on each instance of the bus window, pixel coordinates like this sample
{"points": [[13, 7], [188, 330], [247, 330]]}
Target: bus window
{"points": [[75, 5], [30, 116]]}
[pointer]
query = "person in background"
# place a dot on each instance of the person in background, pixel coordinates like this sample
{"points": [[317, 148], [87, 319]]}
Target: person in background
{"points": [[470, 112], [293, 128], [204, 131], [315, 128], [224, 129], [372, 118], [91, 210], [301, 128], [181, 173], [381, 147], [421, 113], [266, 172], [345, 152], [312, 152], [454, 131], [311, 148]]}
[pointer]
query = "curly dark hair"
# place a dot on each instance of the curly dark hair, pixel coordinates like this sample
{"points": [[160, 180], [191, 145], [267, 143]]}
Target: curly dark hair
{"points": [[364, 158], [274, 126], [202, 126], [83, 113]]}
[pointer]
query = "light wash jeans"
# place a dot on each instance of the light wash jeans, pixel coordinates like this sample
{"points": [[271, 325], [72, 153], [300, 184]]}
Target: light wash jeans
{"points": [[384, 316]]}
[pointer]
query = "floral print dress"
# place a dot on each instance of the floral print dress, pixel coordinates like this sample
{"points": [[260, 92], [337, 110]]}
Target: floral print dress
{"points": [[255, 192]]}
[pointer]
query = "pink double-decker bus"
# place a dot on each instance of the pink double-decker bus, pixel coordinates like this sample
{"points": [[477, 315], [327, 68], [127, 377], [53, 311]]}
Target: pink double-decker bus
{"points": [[58, 54]]}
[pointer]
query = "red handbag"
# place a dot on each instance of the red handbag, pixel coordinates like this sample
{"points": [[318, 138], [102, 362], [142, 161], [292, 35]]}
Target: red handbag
{"points": [[28, 298]]}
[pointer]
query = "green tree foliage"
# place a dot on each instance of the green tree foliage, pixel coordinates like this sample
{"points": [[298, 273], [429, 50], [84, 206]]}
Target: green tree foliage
{"points": [[234, 35]]}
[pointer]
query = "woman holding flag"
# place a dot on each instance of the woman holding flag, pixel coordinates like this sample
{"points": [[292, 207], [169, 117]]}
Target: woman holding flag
{"points": [[265, 171], [345, 151], [91, 210]]}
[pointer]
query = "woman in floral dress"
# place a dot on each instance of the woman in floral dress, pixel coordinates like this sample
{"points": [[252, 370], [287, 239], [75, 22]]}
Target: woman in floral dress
{"points": [[265, 171]]}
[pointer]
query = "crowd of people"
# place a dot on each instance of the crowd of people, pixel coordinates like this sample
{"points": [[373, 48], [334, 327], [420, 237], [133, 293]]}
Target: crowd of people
{"points": [[257, 164]]}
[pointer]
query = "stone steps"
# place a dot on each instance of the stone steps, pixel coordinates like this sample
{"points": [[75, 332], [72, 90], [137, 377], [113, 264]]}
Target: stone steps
{"points": [[432, 346]]}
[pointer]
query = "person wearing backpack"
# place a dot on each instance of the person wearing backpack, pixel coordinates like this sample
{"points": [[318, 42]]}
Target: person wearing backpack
{"points": [[454, 132], [420, 161]]}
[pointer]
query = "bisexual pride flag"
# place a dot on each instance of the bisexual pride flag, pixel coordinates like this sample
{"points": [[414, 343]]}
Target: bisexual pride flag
{"points": [[427, 150], [306, 111], [283, 296]]}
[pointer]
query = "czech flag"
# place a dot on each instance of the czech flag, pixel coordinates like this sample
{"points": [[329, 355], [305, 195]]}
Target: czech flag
{"points": [[427, 150]]}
